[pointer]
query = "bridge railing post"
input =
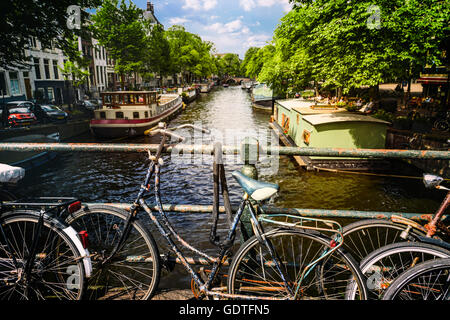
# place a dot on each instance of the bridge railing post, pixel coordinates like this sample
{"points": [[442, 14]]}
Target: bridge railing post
{"points": [[249, 155]]}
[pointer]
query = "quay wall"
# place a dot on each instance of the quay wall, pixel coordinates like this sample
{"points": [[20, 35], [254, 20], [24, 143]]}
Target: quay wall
{"points": [[66, 130]]}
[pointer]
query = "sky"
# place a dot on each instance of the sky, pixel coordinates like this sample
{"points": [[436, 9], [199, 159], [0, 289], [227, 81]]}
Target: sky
{"points": [[232, 25]]}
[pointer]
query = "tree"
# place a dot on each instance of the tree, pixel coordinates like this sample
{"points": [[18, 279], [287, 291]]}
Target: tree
{"points": [[190, 55], [45, 20], [335, 42], [158, 59], [120, 29]]}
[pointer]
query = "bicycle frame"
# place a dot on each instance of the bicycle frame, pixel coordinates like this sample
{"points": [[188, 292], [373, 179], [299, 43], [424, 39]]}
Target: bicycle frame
{"points": [[165, 228]]}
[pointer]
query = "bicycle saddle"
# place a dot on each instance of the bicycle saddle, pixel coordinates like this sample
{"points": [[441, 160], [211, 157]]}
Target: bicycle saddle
{"points": [[257, 190]]}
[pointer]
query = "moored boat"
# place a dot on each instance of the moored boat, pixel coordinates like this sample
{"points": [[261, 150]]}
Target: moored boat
{"points": [[303, 123], [206, 87], [262, 97], [131, 113], [188, 94], [30, 159]]}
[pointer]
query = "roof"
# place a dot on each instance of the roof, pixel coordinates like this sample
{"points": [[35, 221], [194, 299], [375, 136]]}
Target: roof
{"points": [[128, 92], [318, 119], [306, 107]]}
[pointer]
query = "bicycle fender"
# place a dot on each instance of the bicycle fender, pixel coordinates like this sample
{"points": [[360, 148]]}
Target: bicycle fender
{"points": [[73, 235]]}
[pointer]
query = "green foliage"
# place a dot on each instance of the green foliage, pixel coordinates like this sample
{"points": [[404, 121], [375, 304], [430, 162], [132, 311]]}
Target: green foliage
{"points": [[120, 28], [331, 42], [45, 20], [189, 53]]}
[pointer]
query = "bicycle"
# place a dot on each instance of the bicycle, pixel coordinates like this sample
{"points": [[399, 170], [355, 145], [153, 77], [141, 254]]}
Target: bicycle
{"points": [[293, 260], [429, 280], [360, 235], [387, 263], [41, 257]]}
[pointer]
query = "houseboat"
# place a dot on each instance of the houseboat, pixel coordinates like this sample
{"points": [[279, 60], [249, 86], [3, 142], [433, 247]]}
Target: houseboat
{"points": [[131, 113], [262, 97], [188, 94], [206, 87], [303, 123]]}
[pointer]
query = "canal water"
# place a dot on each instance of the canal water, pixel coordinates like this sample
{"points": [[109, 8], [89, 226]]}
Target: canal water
{"points": [[106, 177]]}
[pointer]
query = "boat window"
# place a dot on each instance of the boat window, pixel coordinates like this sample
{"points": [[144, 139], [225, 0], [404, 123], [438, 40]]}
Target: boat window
{"points": [[102, 115], [135, 115], [126, 99], [119, 115], [116, 99], [107, 99], [306, 137], [146, 114], [140, 99]]}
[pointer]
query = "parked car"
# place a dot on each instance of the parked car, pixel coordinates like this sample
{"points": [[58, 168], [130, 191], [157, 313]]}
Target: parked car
{"points": [[20, 115], [90, 105], [49, 113]]}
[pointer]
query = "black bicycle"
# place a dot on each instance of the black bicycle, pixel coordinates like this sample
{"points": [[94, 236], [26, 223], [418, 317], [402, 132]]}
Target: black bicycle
{"points": [[290, 258], [41, 257]]}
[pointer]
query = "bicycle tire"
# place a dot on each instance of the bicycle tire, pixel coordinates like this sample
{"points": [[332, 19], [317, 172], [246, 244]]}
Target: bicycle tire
{"points": [[384, 265], [62, 278], [265, 281], [134, 272], [427, 280], [359, 236]]}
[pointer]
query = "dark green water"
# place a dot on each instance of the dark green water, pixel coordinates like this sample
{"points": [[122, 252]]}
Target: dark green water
{"points": [[95, 177]]}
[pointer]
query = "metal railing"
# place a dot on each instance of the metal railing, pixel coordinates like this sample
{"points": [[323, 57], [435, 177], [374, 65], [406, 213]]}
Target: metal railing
{"points": [[247, 151]]}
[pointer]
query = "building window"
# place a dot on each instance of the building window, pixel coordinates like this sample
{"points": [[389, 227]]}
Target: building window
{"points": [[47, 69], [55, 69], [101, 74], [98, 75], [50, 94], [14, 83], [3, 90], [37, 68]]}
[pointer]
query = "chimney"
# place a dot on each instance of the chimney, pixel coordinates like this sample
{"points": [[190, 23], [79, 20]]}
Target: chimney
{"points": [[150, 7]]}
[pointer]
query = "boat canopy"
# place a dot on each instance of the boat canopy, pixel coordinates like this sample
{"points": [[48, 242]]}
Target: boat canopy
{"points": [[129, 98]]}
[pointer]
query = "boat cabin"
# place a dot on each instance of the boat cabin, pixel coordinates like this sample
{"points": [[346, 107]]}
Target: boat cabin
{"points": [[129, 105], [326, 126]]}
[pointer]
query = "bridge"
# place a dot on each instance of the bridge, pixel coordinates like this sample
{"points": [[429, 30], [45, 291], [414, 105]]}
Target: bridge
{"points": [[236, 80]]}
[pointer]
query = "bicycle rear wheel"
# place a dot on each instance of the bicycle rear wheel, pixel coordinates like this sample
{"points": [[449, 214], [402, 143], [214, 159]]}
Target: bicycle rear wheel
{"points": [[363, 237], [134, 272], [57, 271], [429, 280], [253, 272]]}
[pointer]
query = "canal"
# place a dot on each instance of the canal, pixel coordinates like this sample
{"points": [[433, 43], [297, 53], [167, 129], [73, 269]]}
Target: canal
{"points": [[96, 177]]}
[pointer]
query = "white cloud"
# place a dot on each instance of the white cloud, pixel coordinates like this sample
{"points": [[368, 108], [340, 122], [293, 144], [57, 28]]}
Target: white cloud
{"points": [[178, 20], [230, 27], [200, 4], [249, 5]]}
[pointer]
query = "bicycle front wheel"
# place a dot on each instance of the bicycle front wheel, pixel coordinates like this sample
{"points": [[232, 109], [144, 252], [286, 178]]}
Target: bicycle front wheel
{"points": [[253, 271], [384, 265], [133, 272], [429, 280], [57, 270]]}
